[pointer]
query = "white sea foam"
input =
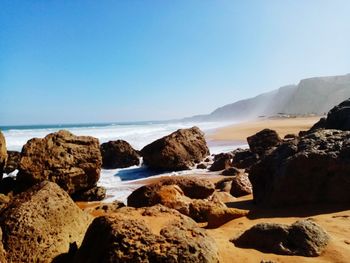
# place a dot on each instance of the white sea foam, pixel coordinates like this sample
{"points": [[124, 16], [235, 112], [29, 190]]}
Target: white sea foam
{"points": [[121, 182]]}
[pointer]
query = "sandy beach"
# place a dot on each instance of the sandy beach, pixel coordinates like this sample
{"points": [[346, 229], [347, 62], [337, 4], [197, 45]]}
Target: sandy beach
{"points": [[240, 131]]}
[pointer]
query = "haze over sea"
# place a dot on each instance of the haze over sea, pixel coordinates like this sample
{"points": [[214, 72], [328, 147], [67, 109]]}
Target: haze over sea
{"points": [[118, 182]]}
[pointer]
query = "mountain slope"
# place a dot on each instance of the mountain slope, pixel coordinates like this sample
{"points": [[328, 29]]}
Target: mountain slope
{"points": [[311, 96]]}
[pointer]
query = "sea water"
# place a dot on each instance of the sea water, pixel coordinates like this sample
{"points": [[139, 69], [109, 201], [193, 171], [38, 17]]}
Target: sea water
{"points": [[119, 182]]}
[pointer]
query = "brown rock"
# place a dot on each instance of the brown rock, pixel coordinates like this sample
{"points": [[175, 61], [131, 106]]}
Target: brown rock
{"points": [[129, 237], [224, 184], [118, 154], [177, 151], [244, 158], [3, 153], [303, 238], [13, 158], [309, 170], [191, 187], [241, 185], [40, 224], [73, 162], [202, 166], [221, 162], [219, 216], [96, 193], [3, 258], [263, 141]]}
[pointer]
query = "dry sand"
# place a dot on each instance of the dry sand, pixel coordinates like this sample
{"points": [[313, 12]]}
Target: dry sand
{"points": [[283, 126]]}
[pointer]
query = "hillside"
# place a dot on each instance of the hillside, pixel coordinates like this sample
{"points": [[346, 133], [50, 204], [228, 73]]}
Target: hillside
{"points": [[311, 96]]}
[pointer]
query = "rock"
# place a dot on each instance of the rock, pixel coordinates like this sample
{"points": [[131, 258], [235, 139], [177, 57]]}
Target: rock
{"points": [[96, 193], [312, 169], [223, 156], [13, 158], [202, 166], [191, 187], [73, 162], [263, 141], [231, 171], [244, 158], [3, 153], [118, 154], [221, 162], [303, 238], [240, 185], [338, 118], [177, 151], [4, 200], [2, 250], [224, 184], [8, 185], [40, 224], [103, 208], [133, 236]]}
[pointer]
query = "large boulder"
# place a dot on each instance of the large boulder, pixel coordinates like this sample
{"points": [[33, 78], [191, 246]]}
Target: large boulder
{"points": [[3, 153], [263, 141], [244, 158], [155, 234], [303, 238], [338, 118], [192, 187], [312, 169], [12, 163], [96, 193], [118, 154], [177, 151], [73, 162], [221, 162], [39, 224]]}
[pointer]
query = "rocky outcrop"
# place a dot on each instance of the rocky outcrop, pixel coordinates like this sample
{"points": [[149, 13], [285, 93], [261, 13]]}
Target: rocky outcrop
{"points": [[12, 163], [244, 158], [155, 234], [303, 238], [338, 118], [118, 154], [191, 187], [312, 169], [240, 185], [177, 151], [3, 153], [96, 193], [40, 224], [221, 162], [73, 162], [263, 141]]}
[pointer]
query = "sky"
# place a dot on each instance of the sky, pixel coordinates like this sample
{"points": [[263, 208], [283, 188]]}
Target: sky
{"points": [[89, 61]]}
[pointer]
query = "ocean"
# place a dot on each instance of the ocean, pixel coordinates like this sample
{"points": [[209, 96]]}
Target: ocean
{"points": [[119, 182]]}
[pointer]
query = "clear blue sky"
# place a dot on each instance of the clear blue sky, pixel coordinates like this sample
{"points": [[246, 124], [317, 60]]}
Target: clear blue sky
{"points": [[96, 61]]}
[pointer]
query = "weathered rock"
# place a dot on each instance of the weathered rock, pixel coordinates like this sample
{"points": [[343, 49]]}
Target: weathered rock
{"points": [[13, 158], [118, 154], [313, 169], [39, 224], [2, 250], [221, 162], [8, 185], [244, 158], [104, 208], [191, 187], [4, 200], [338, 118], [231, 171], [304, 238], [129, 237], [177, 151], [290, 136], [263, 141], [202, 166], [224, 184], [96, 193], [73, 162], [240, 185], [3, 153]]}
